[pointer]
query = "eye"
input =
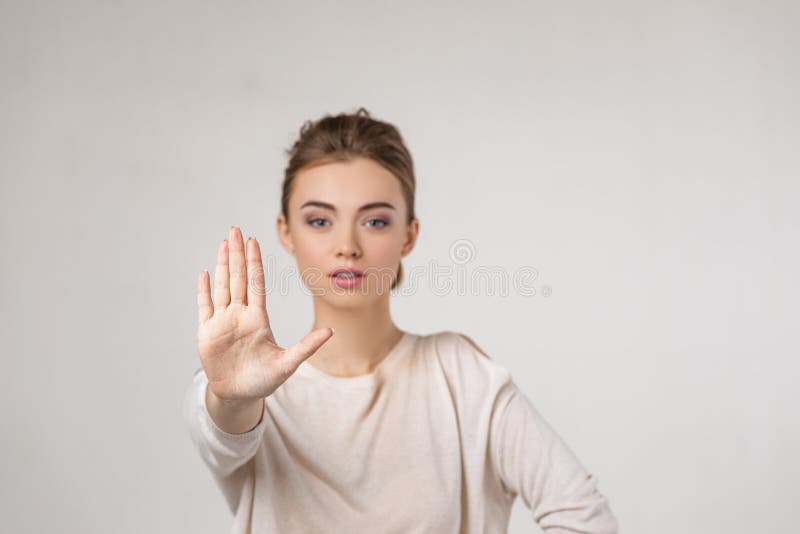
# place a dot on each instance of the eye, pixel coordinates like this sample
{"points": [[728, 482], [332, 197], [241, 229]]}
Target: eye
{"points": [[312, 221], [381, 223]]}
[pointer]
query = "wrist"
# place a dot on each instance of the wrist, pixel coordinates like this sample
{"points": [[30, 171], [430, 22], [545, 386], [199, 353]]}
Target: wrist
{"points": [[234, 416], [233, 405]]}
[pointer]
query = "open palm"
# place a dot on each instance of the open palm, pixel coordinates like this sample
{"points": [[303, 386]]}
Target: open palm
{"points": [[237, 347]]}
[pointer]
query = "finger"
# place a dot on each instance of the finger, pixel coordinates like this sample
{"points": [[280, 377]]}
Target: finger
{"points": [[204, 307], [256, 290], [222, 294], [306, 347], [238, 270]]}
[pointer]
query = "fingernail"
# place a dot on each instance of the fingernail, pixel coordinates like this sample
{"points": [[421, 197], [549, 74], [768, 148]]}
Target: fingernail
{"points": [[333, 330]]}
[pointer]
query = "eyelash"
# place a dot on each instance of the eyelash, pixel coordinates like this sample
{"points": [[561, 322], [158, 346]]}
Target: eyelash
{"points": [[384, 221]]}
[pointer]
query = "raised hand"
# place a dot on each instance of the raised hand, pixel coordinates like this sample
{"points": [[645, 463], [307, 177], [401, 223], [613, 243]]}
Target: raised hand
{"points": [[237, 348]]}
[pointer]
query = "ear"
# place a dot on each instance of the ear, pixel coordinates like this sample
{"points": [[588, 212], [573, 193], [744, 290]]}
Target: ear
{"points": [[284, 235], [411, 236]]}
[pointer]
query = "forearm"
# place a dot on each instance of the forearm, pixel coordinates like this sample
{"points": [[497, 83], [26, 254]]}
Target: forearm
{"points": [[234, 417]]}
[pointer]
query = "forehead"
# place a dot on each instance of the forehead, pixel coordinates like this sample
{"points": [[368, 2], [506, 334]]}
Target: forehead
{"points": [[347, 185]]}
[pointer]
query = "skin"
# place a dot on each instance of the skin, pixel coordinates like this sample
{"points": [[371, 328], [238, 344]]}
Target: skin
{"points": [[373, 240], [237, 347]]}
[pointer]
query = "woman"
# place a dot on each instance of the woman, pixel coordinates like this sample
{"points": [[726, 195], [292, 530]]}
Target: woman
{"points": [[361, 426]]}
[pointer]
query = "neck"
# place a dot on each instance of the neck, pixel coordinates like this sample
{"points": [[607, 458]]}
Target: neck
{"points": [[364, 336]]}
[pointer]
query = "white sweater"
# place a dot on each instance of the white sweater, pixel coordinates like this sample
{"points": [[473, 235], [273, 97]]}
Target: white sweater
{"points": [[438, 439]]}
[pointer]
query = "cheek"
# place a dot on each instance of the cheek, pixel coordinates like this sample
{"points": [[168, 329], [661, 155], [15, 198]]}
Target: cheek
{"points": [[308, 256], [386, 252], [308, 253]]}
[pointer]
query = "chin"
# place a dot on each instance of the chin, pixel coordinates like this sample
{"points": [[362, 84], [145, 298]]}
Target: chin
{"points": [[347, 301], [348, 297]]}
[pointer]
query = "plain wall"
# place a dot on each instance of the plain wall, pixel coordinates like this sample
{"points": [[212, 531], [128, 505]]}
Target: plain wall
{"points": [[642, 157]]}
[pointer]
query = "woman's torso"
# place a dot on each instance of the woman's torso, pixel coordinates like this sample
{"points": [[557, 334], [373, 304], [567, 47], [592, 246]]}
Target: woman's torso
{"points": [[403, 449]]}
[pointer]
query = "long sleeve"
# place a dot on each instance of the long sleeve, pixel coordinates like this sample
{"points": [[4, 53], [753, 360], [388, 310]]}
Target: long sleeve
{"points": [[226, 455], [534, 462]]}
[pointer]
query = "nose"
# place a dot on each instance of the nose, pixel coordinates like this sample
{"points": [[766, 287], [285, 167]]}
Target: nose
{"points": [[348, 245]]}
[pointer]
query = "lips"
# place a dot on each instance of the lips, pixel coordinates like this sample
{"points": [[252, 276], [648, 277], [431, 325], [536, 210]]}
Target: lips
{"points": [[346, 272]]}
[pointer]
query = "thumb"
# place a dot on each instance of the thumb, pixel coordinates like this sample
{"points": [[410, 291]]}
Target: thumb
{"points": [[307, 346]]}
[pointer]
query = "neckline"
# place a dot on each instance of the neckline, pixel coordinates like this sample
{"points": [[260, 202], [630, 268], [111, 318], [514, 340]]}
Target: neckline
{"points": [[359, 381]]}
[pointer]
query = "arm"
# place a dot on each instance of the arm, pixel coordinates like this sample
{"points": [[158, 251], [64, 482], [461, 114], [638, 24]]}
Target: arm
{"points": [[241, 362], [533, 461], [222, 451], [234, 417]]}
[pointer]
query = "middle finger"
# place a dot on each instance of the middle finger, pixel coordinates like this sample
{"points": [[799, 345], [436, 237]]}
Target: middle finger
{"points": [[238, 269]]}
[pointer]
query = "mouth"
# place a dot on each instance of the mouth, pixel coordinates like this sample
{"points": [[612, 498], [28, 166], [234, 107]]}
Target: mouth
{"points": [[346, 273], [346, 278]]}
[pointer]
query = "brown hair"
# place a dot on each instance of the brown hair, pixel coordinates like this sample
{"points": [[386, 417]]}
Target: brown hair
{"points": [[344, 137]]}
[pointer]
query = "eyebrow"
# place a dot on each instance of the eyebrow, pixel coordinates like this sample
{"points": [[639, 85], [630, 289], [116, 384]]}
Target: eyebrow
{"points": [[331, 207]]}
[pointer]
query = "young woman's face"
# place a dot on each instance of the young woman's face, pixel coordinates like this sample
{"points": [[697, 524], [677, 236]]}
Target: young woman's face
{"points": [[347, 215]]}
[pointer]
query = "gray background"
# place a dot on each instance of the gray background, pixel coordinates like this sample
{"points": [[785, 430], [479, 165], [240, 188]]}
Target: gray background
{"points": [[641, 156]]}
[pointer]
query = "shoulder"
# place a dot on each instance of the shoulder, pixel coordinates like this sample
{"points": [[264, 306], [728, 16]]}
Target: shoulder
{"points": [[452, 342], [463, 359]]}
